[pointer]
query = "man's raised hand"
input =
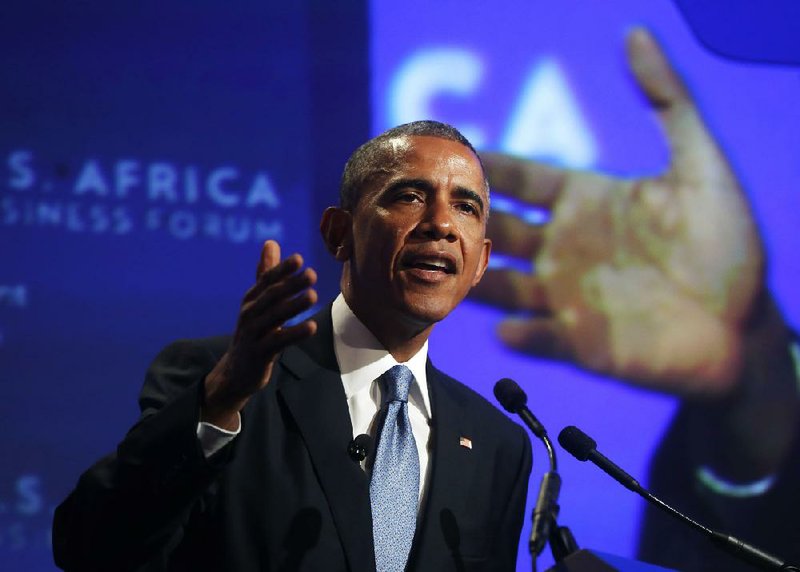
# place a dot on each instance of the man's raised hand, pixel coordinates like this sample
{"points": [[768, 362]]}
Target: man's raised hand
{"points": [[283, 290]]}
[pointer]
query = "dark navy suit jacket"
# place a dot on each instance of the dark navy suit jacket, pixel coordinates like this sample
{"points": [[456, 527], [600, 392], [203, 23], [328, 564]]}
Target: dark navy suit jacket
{"points": [[285, 495]]}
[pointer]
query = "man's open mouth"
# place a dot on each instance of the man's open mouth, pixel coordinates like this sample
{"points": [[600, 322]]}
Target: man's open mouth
{"points": [[430, 262]]}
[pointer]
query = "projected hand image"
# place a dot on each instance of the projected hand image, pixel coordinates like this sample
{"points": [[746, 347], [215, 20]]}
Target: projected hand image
{"points": [[659, 281], [648, 279]]}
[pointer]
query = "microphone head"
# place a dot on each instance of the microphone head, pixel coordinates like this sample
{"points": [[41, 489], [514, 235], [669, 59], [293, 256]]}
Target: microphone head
{"points": [[360, 448], [576, 442], [510, 395]]}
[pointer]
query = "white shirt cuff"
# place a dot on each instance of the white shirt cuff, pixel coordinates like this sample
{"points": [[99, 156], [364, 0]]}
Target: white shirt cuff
{"points": [[213, 438]]}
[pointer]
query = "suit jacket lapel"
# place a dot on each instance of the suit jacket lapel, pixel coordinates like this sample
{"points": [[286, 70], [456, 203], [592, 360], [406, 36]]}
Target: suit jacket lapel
{"points": [[453, 464], [317, 402]]}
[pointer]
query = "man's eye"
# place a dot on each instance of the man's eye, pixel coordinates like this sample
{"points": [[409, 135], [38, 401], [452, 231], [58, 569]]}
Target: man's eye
{"points": [[408, 197], [468, 208]]}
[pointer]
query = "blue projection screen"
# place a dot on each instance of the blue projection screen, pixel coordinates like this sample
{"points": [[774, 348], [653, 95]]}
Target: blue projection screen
{"points": [[147, 151], [548, 80]]}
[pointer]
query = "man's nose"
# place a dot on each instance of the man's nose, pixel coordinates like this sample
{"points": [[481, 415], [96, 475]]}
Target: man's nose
{"points": [[438, 222]]}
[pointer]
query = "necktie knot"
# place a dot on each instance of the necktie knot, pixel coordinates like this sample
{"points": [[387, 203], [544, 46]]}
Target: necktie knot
{"points": [[396, 382]]}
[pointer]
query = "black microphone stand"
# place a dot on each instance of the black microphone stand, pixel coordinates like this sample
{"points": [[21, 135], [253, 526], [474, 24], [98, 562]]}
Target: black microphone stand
{"points": [[544, 525]]}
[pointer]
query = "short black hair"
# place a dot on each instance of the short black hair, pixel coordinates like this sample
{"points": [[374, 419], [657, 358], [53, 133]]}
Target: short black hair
{"points": [[371, 157]]}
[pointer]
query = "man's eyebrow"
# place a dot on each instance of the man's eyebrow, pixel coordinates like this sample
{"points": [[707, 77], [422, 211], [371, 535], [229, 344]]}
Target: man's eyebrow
{"points": [[465, 193], [426, 186], [419, 184]]}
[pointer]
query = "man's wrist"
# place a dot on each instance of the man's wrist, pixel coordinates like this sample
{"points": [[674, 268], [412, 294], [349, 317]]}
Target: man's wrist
{"points": [[746, 436], [722, 486], [213, 438], [220, 408]]}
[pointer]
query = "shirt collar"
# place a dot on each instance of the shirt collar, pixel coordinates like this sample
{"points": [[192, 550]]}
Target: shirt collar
{"points": [[362, 358]]}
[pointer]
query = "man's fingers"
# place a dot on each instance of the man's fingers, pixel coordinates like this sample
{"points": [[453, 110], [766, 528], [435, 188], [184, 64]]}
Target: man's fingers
{"points": [[270, 257], [284, 290], [511, 290], [512, 236], [542, 337], [286, 337], [531, 182], [279, 271], [262, 324], [273, 275]]}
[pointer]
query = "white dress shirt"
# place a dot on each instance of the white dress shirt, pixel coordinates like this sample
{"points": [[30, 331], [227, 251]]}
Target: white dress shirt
{"points": [[362, 360]]}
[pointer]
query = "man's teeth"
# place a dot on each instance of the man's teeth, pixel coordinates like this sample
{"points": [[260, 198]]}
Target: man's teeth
{"points": [[431, 264]]}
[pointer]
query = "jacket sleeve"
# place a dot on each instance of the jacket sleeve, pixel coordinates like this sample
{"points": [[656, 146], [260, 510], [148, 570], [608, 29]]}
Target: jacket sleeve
{"points": [[131, 506]]}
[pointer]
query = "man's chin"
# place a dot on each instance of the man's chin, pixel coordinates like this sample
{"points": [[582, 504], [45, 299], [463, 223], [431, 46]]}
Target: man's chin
{"points": [[424, 311]]}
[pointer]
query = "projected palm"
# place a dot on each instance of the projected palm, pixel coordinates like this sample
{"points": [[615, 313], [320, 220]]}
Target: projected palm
{"points": [[649, 279]]}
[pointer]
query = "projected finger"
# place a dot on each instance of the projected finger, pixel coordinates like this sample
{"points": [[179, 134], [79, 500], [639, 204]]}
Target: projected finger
{"points": [[543, 337], [695, 157], [512, 236], [531, 182], [511, 290]]}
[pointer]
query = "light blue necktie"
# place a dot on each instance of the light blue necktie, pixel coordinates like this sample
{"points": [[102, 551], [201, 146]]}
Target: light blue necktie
{"points": [[394, 487]]}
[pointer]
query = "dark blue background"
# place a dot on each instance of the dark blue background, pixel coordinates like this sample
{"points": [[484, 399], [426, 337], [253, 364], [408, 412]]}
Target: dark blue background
{"points": [[289, 90]]}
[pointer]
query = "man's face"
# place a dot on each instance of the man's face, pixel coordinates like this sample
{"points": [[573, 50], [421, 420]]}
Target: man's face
{"points": [[418, 233]]}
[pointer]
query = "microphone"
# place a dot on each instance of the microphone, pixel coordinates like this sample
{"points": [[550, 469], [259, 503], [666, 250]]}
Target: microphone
{"points": [[360, 447], [513, 399], [582, 447]]}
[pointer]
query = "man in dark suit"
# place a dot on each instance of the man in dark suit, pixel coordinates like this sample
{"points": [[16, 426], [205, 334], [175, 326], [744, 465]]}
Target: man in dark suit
{"points": [[240, 459]]}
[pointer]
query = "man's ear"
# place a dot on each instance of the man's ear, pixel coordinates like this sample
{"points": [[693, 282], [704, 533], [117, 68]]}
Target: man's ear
{"points": [[336, 227], [484, 262]]}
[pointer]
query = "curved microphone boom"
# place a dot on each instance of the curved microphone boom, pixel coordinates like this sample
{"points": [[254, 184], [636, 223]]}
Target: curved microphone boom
{"points": [[584, 448], [514, 400]]}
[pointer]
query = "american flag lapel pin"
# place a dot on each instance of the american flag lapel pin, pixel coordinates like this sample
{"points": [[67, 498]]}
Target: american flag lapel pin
{"points": [[465, 442]]}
